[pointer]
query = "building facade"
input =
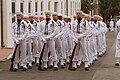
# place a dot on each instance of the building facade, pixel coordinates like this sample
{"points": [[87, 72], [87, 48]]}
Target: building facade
{"points": [[9, 7]]}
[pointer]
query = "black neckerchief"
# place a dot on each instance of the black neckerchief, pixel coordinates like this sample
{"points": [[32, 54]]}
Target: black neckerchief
{"points": [[32, 21], [78, 25], [19, 21], [46, 25], [48, 19], [95, 21], [55, 20], [18, 28]]}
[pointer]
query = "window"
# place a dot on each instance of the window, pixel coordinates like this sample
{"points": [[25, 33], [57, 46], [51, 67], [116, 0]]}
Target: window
{"points": [[29, 7], [21, 7], [71, 7], [65, 6], [55, 6], [36, 8], [49, 5], [41, 6], [13, 11], [61, 7]]}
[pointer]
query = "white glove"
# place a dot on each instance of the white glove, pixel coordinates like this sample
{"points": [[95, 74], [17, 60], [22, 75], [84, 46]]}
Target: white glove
{"points": [[75, 40], [56, 37], [35, 35], [44, 41], [81, 36], [20, 39], [17, 41], [47, 38]]}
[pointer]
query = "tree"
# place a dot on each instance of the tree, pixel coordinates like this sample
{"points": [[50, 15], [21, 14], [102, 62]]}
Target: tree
{"points": [[87, 5], [109, 8]]}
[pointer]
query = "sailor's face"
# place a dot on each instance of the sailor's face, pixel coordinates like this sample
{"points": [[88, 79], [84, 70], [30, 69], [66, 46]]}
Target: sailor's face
{"points": [[31, 18], [26, 19], [55, 17], [36, 18], [79, 15], [19, 16], [48, 15], [75, 17], [95, 18], [41, 18]]}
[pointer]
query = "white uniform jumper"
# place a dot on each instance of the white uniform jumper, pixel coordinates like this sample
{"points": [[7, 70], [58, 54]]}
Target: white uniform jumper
{"points": [[19, 34], [48, 30]]}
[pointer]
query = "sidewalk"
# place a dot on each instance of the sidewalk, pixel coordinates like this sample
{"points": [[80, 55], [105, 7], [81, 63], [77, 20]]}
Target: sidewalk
{"points": [[5, 53]]}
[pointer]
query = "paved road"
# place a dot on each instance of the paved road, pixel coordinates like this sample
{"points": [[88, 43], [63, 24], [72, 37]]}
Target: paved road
{"points": [[103, 69]]}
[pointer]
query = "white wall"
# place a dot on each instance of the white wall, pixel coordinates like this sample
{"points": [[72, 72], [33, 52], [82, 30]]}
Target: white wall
{"points": [[7, 22]]}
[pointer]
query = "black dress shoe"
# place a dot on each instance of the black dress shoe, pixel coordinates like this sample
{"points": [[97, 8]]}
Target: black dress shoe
{"points": [[33, 63], [44, 69], [91, 64], [29, 67], [95, 59], [87, 68], [100, 55], [74, 69], [117, 64], [20, 67], [15, 69], [50, 66], [78, 66], [82, 62], [62, 66], [24, 69], [68, 62], [37, 64], [55, 68]]}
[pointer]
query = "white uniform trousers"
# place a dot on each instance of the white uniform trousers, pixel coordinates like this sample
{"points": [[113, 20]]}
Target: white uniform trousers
{"points": [[59, 50], [20, 55], [117, 54], [29, 52], [50, 46], [35, 48], [81, 50]]}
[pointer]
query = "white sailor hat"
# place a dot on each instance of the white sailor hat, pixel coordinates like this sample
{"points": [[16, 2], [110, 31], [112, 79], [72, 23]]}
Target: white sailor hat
{"points": [[18, 12], [65, 16], [59, 14], [95, 16], [55, 13], [25, 16], [69, 17], [87, 15], [47, 12], [35, 15], [79, 12], [83, 14], [100, 17], [41, 16], [74, 15], [31, 15]]}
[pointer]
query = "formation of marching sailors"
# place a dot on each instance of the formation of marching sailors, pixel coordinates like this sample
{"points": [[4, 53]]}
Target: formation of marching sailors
{"points": [[60, 34]]}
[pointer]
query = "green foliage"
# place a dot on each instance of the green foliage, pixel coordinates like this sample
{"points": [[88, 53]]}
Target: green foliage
{"points": [[109, 7], [87, 5]]}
